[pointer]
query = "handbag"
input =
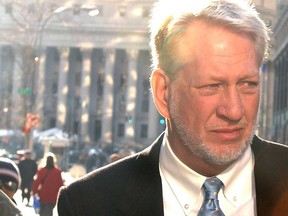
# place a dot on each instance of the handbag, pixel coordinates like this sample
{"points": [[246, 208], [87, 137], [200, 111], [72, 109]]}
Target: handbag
{"points": [[36, 203]]}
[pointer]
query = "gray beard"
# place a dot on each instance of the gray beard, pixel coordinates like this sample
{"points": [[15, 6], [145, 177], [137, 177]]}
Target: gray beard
{"points": [[200, 149], [196, 145]]}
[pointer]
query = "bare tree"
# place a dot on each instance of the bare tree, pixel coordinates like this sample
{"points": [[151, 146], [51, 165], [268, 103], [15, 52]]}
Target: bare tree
{"points": [[21, 29]]}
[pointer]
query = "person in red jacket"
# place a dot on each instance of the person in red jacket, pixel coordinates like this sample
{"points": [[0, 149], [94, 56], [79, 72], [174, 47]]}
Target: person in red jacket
{"points": [[47, 184]]}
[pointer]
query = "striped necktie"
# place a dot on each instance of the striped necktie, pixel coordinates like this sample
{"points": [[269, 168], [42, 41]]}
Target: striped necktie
{"points": [[210, 204]]}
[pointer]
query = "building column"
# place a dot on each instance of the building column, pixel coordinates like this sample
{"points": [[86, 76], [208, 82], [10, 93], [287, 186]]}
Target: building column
{"points": [[152, 120], [270, 92], [40, 86], [131, 94], [1, 84], [62, 87], [84, 94], [107, 105], [4, 101], [17, 106]]}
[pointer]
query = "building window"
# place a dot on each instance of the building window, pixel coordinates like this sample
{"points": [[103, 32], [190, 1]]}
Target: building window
{"points": [[78, 78], [76, 9], [145, 12], [100, 84], [145, 106], [122, 104], [54, 88], [145, 95], [75, 128], [98, 129], [144, 131], [52, 123], [8, 8], [122, 11], [121, 128]]}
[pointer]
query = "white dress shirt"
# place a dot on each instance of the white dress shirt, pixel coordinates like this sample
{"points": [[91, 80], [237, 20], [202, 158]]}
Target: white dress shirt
{"points": [[182, 194]]}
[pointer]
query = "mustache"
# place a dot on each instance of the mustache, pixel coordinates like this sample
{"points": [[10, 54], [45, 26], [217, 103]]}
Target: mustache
{"points": [[227, 125]]}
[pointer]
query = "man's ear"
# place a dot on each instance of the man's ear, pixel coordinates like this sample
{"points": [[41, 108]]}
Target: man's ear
{"points": [[160, 83]]}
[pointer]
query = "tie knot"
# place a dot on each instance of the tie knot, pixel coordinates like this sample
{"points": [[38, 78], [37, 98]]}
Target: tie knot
{"points": [[210, 206], [211, 187]]}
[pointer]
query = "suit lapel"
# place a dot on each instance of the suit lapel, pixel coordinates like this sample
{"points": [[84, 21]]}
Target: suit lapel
{"points": [[261, 184], [270, 177], [146, 189]]}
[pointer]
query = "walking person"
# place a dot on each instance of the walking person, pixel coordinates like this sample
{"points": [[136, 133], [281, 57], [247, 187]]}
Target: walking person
{"points": [[46, 185], [206, 78], [28, 168]]}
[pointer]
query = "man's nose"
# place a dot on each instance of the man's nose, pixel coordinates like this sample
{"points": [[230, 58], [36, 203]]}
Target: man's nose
{"points": [[231, 106]]}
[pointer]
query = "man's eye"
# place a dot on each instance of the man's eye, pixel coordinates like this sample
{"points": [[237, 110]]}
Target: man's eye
{"points": [[250, 84], [210, 89], [249, 87], [214, 85]]}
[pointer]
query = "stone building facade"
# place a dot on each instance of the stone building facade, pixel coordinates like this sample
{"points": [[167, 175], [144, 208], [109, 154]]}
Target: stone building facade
{"points": [[91, 73], [280, 111], [267, 10]]}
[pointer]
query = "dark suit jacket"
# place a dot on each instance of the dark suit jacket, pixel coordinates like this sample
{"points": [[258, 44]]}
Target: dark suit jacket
{"points": [[133, 186]]}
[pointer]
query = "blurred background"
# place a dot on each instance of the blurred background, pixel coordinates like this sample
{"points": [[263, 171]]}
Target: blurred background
{"points": [[74, 80]]}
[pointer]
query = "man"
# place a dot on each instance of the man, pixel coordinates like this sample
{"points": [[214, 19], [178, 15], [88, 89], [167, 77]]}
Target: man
{"points": [[9, 181], [206, 57], [28, 168]]}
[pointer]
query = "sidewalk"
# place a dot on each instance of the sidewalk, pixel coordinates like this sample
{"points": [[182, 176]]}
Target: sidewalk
{"points": [[27, 210], [75, 172]]}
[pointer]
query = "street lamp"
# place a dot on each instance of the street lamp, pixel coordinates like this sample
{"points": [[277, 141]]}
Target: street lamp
{"points": [[92, 11], [37, 61]]}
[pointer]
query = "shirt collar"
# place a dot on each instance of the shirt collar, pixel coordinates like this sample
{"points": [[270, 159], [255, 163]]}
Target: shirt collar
{"points": [[239, 173], [180, 177]]}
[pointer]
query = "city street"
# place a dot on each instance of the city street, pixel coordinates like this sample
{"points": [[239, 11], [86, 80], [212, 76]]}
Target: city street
{"points": [[75, 172], [27, 210]]}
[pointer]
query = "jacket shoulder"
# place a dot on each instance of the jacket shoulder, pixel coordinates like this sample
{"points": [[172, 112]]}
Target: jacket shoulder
{"points": [[124, 185], [263, 147], [271, 176], [119, 172]]}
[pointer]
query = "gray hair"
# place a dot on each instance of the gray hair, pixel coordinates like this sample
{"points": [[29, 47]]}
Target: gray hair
{"points": [[170, 19]]}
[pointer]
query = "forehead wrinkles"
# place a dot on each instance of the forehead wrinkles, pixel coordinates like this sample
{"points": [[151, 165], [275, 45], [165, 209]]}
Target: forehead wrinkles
{"points": [[205, 40]]}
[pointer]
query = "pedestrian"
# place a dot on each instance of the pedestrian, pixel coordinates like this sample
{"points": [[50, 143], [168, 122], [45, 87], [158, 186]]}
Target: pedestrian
{"points": [[9, 177], [207, 57], [9, 182], [91, 160], [28, 168], [46, 185]]}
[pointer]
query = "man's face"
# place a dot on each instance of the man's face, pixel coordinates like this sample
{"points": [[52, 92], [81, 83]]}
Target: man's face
{"points": [[213, 103], [7, 190]]}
